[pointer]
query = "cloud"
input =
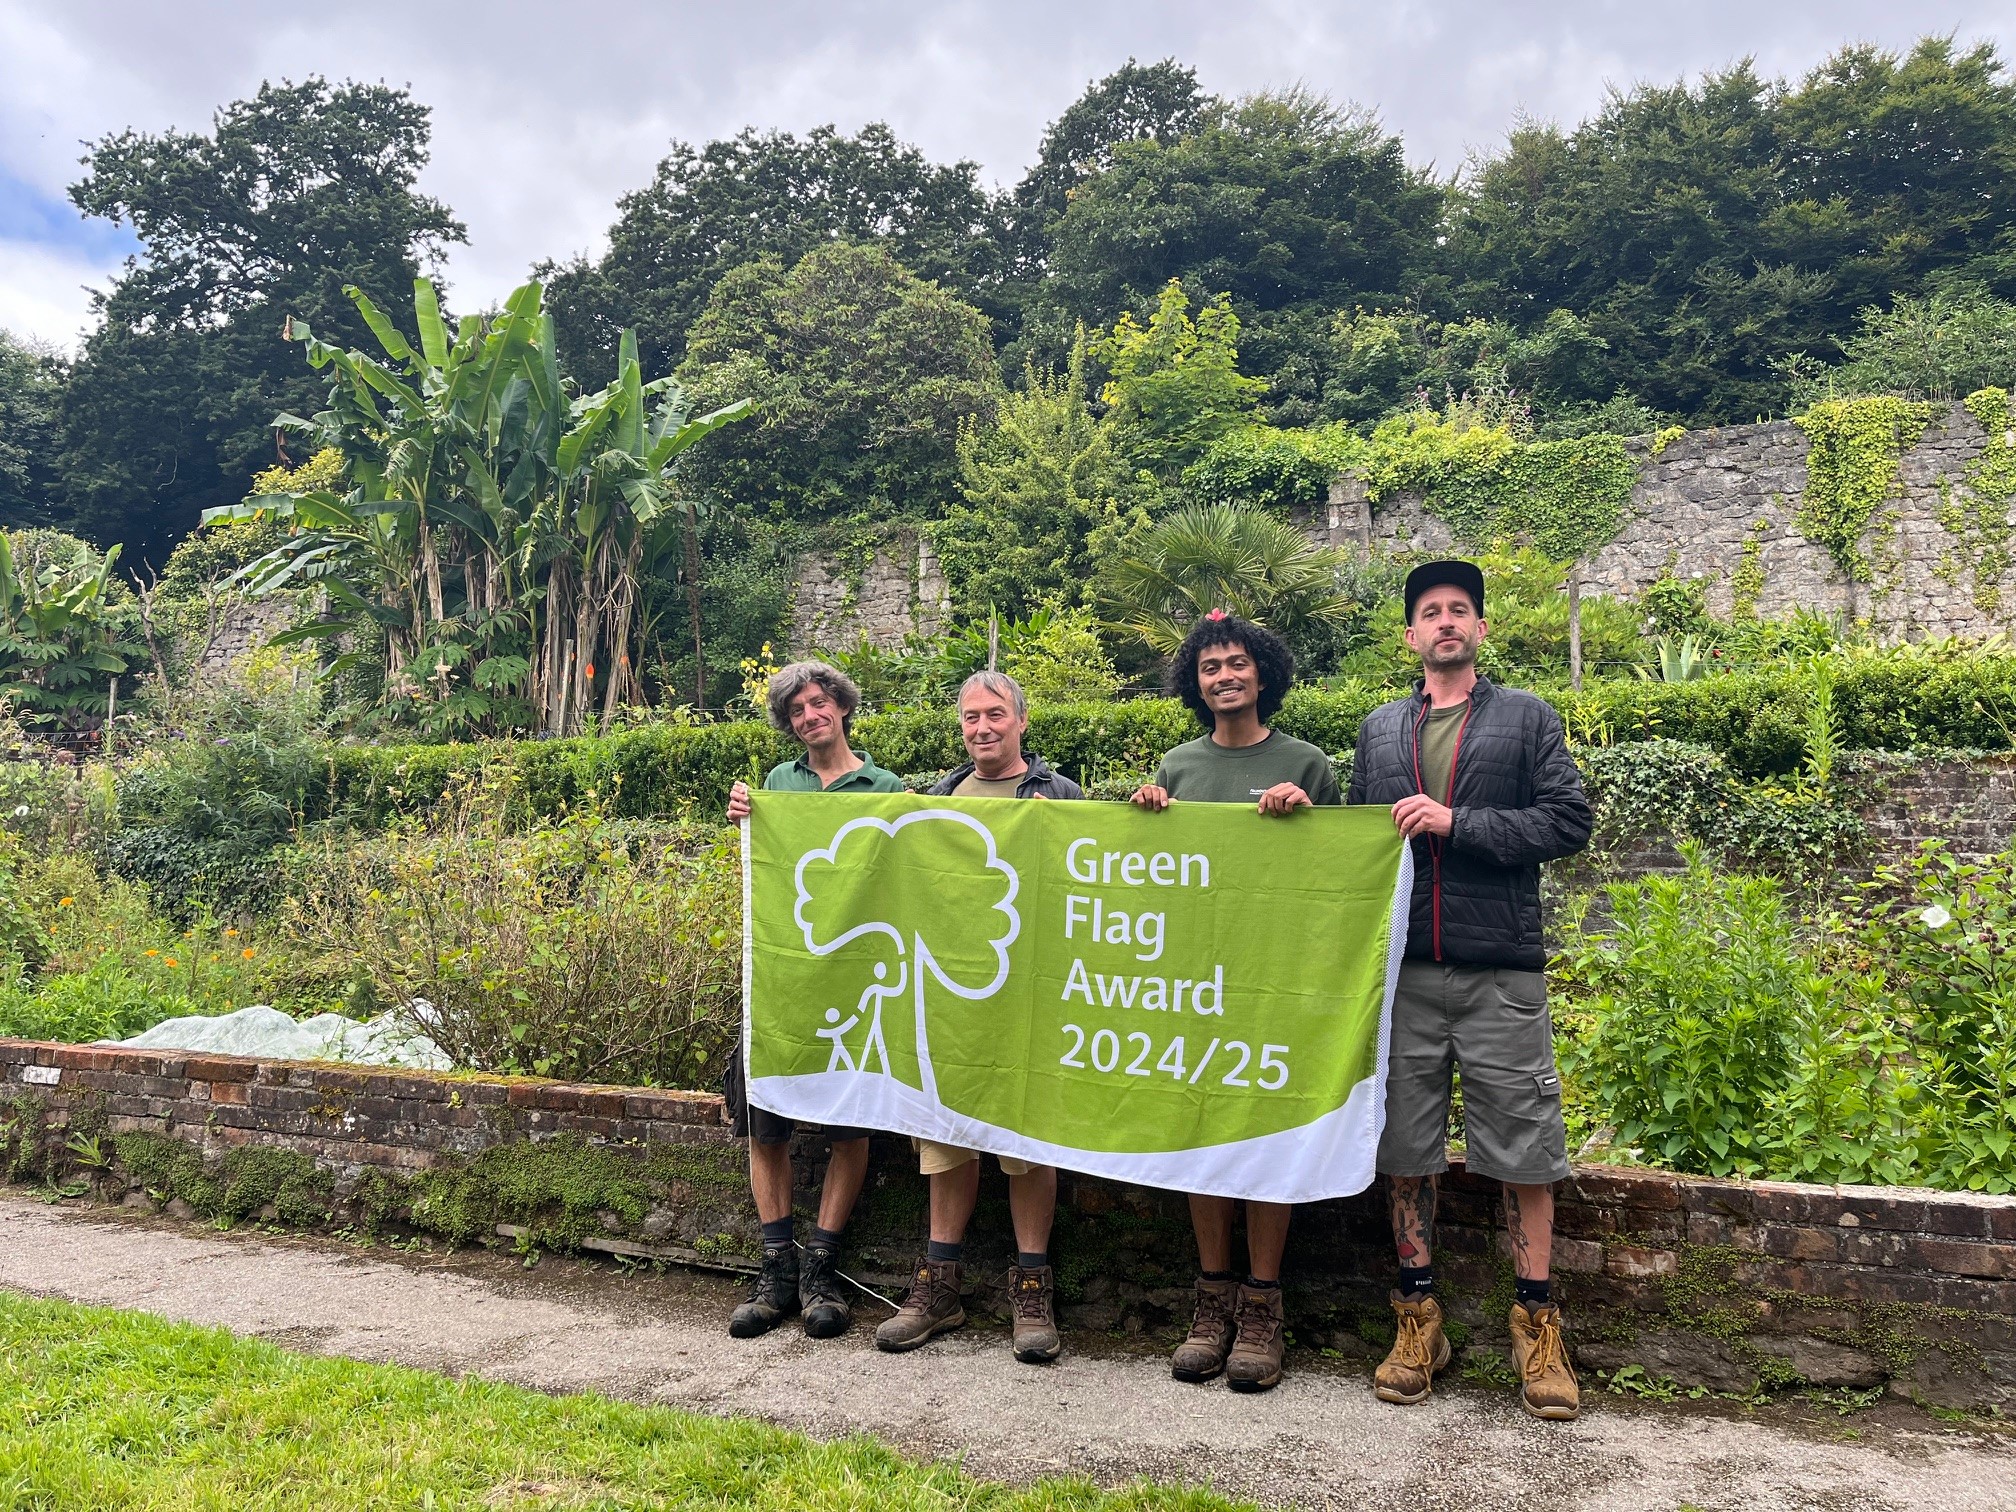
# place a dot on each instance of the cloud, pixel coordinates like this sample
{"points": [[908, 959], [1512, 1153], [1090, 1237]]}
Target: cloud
{"points": [[43, 293], [543, 117]]}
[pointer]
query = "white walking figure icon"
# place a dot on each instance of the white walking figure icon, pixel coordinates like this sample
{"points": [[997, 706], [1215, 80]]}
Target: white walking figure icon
{"points": [[841, 1055]]}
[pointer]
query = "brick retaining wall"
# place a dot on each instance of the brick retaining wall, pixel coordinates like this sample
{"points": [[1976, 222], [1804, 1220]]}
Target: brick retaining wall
{"points": [[1729, 1285]]}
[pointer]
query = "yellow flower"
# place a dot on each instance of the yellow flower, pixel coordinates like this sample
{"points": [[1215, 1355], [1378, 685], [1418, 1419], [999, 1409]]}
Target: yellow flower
{"points": [[66, 902], [230, 933], [153, 952], [173, 962], [248, 952]]}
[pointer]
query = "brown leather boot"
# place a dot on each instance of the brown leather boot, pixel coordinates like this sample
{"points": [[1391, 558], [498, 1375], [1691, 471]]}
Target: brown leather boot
{"points": [[1420, 1348], [1032, 1293], [1547, 1386], [1255, 1361], [1202, 1355], [933, 1307]]}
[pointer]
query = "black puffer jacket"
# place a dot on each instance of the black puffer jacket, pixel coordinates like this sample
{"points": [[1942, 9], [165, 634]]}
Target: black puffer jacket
{"points": [[1518, 802], [1041, 781]]}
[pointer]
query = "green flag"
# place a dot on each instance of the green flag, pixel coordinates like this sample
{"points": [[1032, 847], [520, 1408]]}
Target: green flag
{"points": [[1195, 999]]}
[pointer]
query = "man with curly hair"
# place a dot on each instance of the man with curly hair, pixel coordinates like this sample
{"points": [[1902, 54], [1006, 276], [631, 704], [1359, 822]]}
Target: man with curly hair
{"points": [[814, 704], [1483, 787], [1233, 676]]}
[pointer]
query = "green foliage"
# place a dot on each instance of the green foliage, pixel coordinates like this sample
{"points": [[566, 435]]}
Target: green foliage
{"points": [[31, 396], [1853, 467], [1566, 497], [64, 630], [863, 373], [1221, 557], [1978, 518], [1270, 468], [293, 194], [1175, 385], [1960, 339], [579, 948], [206, 559], [1046, 499], [1064, 661]]}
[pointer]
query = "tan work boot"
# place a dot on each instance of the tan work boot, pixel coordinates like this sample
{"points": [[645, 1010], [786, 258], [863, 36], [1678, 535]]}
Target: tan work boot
{"points": [[933, 1307], [1032, 1293], [1202, 1355], [1255, 1361], [1420, 1348], [1547, 1387]]}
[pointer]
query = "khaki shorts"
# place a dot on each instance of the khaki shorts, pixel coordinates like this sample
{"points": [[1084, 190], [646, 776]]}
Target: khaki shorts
{"points": [[935, 1159], [1493, 1025]]}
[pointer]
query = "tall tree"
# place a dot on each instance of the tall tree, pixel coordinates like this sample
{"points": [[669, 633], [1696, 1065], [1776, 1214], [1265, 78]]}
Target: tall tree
{"points": [[295, 193], [1294, 206], [709, 210], [862, 373], [31, 393], [1708, 232]]}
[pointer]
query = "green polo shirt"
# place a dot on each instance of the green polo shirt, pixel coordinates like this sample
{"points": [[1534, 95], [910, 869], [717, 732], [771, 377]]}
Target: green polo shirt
{"points": [[798, 777]]}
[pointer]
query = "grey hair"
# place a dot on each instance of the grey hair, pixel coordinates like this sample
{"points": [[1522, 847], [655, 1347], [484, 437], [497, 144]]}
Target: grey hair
{"points": [[797, 677], [1001, 683]]}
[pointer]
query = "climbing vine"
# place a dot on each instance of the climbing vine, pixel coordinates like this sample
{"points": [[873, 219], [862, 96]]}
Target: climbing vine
{"points": [[1854, 467], [1978, 515], [1665, 436], [1566, 498], [1746, 583]]}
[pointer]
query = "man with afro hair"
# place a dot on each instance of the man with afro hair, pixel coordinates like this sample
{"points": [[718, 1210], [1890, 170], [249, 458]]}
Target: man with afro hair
{"points": [[1233, 676]]}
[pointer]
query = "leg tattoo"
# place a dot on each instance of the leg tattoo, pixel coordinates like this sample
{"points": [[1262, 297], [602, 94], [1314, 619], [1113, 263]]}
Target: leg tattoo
{"points": [[1413, 1206]]}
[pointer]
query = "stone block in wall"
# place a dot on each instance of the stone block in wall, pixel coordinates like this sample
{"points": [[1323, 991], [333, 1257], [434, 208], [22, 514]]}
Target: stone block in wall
{"points": [[898, 591]]}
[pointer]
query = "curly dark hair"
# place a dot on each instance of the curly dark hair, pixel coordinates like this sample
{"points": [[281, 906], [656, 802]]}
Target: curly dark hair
{"points": [[1270, 654]]}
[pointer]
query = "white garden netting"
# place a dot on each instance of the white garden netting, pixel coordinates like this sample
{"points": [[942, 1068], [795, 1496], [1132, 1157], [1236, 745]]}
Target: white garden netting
{"points": [[272, 1035]]}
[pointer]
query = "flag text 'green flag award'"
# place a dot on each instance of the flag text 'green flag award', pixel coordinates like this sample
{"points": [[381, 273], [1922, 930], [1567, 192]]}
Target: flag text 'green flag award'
{"points": [[1195, 999]]}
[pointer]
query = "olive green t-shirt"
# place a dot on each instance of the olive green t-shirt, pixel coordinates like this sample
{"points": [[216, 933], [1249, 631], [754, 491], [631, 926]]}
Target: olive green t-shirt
{"points": [[1438, 748], [973, 785], [1202, 771], [798, 777]]}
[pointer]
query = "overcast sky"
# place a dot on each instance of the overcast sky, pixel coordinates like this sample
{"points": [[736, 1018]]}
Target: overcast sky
{"points": [[545, 113]]}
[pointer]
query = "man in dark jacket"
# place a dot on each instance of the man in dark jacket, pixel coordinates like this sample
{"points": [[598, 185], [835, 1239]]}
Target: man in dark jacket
{"points": [[1482, 784], [993, 717]]}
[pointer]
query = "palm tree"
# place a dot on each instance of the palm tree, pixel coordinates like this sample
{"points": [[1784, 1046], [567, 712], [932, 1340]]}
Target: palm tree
{"points": [[1221, 556]]}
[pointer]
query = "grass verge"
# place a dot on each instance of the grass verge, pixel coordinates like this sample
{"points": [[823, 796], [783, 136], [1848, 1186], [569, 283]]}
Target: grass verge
{"points": [[116, 1410]]}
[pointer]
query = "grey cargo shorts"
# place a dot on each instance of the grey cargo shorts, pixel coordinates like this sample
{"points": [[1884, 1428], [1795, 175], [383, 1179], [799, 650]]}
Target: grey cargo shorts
{"points": [[1493, 1024]]}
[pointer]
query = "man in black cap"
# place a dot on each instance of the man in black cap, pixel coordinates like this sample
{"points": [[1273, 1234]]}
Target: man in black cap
{"points": [[1482, 784]]}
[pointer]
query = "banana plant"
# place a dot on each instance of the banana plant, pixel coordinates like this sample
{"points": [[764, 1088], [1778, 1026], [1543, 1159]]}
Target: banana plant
{"points": [[60, 643]]}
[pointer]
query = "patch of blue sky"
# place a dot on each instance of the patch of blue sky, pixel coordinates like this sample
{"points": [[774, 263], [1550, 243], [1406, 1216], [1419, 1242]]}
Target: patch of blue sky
{"points": [[29, 213]]}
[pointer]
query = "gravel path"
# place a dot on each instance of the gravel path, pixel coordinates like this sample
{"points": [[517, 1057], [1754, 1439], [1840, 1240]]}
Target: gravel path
{"points": [[1319, 1440]]}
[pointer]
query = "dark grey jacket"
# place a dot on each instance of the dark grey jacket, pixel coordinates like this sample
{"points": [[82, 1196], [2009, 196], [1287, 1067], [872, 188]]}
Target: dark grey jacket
{"points": [[1518, 802], [1040, 781]]}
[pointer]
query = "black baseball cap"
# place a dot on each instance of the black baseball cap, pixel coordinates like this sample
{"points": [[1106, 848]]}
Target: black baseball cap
{"points": [[1454, 573]]}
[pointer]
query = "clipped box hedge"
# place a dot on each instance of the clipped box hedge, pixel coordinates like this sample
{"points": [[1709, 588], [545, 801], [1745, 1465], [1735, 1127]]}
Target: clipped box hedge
{"points": [[1756, 720]]}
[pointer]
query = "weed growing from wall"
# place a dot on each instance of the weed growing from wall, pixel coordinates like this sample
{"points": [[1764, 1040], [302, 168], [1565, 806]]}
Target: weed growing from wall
{"points": [[1977, 515]]}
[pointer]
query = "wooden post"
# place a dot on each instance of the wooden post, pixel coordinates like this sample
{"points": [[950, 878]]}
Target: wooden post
{"points": [[1575, 625], [111, 713]]}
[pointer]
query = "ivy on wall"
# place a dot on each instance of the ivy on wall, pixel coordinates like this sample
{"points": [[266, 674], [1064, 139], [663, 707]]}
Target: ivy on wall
{"points": [[1566, 498], [1854, 467], [1977, 514]]}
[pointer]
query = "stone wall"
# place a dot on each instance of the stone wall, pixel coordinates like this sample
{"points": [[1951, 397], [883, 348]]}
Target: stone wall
{"points": [[897, 591], [1724, 1284], [1712, 494]]}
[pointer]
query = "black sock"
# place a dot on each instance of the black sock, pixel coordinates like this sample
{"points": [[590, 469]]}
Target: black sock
{"points": [[1417, 1280], [1214, 1276], [1530, 1294], [779, 1232], [1032, 1259], [823, 1239], [1258, 1285], [938, 1249]]}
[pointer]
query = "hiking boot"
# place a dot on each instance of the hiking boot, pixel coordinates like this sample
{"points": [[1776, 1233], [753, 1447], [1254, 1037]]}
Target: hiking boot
{"points": [[1202, 1355], [772, 1299], [1547, 1387], [1420, 1348], [1255, 1361], [932, 1308], [1031, 1293], [820, 1295]]}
